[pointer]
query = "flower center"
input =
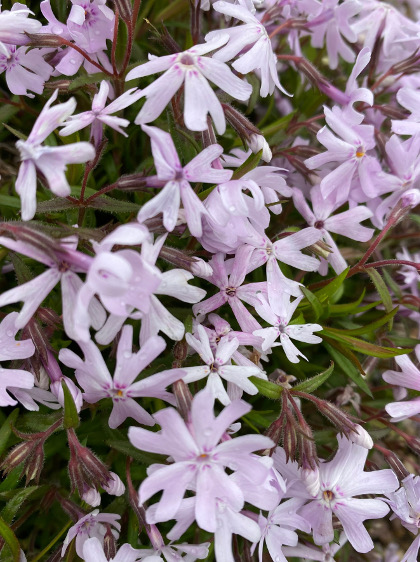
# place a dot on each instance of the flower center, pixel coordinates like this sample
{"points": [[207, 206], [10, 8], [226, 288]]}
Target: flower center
{"points": [[213, 368], [328, 496], [360, 152], [63, 267], [319, 224], [230, 291], [187, 60]]}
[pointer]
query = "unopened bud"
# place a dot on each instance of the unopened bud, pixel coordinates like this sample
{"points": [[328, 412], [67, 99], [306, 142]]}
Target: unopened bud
{"points": [[61, 85], [411, 198], [180, 352], [290, 438], [92, 497], [115, 487], [183, 398], [396, 464], [155, 537], [257, 143], [201, 268], [132, 182], [110, 546], [361, 437], [320, 248], [85, 469], [125, 9], [34, 463], [240, 123], [17, 455], [414, 444], [311, 72], [44, 40]]}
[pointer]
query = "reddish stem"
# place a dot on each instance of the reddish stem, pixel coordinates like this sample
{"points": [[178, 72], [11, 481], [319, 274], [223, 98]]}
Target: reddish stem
{"points": [[114, 42]]}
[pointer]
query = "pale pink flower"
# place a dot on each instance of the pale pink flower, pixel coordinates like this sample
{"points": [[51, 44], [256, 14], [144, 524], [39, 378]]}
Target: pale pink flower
{"points": [[93, 552], [89, 526], [93, 376], [199, 461], [49, 160], [253, 42], [14, 24], [25, 70], [279, 317], [408, 377], [218, 366], [177, 180], [193, 70], [101, 115]]}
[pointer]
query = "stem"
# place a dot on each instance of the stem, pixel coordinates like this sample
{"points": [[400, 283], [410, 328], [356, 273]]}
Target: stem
{"points": [[114, 42], [382, 263], [129, 48], [284, 25], [102, 191], [136, 9]]}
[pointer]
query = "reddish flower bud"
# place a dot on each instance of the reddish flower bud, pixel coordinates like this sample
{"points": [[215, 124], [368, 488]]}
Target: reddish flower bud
{"points": [[125, 9], [110, 546], [183, 398]]}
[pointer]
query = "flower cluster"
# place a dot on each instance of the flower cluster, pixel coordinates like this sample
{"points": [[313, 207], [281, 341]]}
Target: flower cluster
{"points": [[216, 212]]}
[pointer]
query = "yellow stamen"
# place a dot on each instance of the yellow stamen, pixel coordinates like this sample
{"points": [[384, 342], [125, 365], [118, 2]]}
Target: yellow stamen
{"points": [[360, 153]]}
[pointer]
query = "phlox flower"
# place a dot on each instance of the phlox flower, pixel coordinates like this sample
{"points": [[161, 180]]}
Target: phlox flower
{"points": [[405, 504], [218, 366], [14, 24], [90, 526], [350, 152], [346, 223], [25, 70], [279, 317], [49, 160], [199, 460], [408, 377], [409, 99], [128, 286], [193, 70], [63, 262], [93, 552], [251, 35], [101, 115], [90, 24], [331, 21], [279, 528], [177, 187], [175, 553], [311, 552], [341, 479], [13, 380], [93, 376], [232, 290]]}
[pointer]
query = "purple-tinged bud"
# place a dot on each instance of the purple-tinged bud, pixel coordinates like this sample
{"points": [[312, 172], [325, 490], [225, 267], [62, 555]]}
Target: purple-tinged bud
{"points": [[17, 455], [125, 9], [34, 463], [183, 398], [85, 469], [132, 182], [92, 497], [110, 545], [73, 510], [396, 465], [180, 352], [311, 72], [411, 198], [44, 40], [155, 537], [201, 268], [61, 85], [361, 437], [311, 480], [177, 257], [413, 443], [115, 486]]}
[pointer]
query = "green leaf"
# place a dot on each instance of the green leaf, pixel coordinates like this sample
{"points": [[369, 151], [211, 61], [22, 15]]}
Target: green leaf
{"points": [[279, 125], [10, 539], [347, 308], [313, 383], [382, 290], [128, 449], [86, 79], [71, 417], [15, 132], [12, 506], [267, 388], [367, 328], [250, 164], [188, 324], [348, 368], [313, 301], [55, 205], [6, 429], [9, 201], [332, 287], [110, 205], [22, 271], [362, 346]]}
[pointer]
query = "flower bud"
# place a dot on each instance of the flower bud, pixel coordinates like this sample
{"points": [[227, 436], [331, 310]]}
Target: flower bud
{"points": [[125, 9], [92, 497], [115, 487], [257, 143], [201, 268], [17, 455], [183, 398], [44, 40], [361, 437], [34, 463], [85, 469], [110, 546], [411, 198]]}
